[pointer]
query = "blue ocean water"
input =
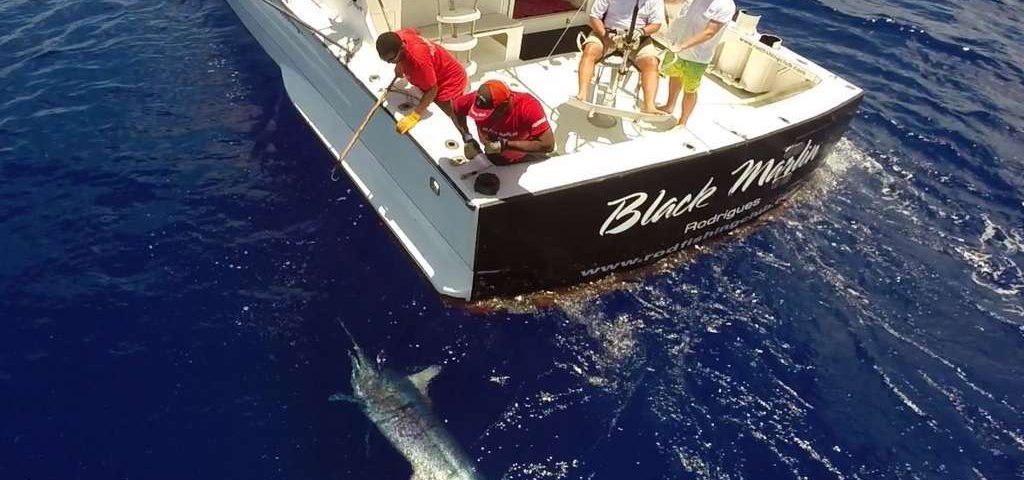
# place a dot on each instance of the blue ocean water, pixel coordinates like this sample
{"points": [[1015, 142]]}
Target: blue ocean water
{"points": [[175, 260]]}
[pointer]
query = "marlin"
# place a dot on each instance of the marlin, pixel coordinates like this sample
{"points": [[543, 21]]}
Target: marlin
{"points": [[400, 408]]}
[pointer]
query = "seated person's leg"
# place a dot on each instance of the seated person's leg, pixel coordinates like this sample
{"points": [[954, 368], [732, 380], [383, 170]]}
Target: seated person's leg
{"points": [[647, 62], [593, 49]]}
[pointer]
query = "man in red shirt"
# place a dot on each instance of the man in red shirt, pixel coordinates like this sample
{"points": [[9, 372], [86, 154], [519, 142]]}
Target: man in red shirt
{"points": [[428, 67], [512, 125]]}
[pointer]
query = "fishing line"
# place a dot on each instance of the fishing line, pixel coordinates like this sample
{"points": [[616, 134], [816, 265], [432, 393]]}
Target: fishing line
{"points": [[309, 27], [384, 14], [566, 30]]}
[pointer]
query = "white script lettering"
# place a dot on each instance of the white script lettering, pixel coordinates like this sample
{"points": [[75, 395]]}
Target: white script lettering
{"points": [[771, 171], [627, 212]]}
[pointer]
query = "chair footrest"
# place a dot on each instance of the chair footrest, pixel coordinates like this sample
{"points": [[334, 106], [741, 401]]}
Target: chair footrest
{"points": [[458, 15], [459, 43], [618, 112]]}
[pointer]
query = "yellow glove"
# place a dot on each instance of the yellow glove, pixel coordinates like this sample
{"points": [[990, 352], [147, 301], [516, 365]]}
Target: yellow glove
{"points": [[406, 123], [471, 149], [496, 146]]}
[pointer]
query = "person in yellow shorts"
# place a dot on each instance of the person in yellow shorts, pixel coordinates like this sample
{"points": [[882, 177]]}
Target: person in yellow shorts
{"points": [[695, 36]]}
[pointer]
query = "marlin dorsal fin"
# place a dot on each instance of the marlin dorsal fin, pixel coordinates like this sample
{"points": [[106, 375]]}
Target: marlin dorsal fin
{"points": [[421, 379]]}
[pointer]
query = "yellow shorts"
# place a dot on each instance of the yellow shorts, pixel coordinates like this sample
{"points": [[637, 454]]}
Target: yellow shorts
{"points": [[689, 72]]}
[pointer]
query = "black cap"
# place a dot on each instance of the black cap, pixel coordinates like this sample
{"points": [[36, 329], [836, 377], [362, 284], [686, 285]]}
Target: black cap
{"points": [[487, 184], [388, 46]]}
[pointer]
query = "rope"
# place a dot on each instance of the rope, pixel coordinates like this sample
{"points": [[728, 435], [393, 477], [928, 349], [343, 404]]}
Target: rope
{"points": [[384, 13], [307, 26], [566, 30]]}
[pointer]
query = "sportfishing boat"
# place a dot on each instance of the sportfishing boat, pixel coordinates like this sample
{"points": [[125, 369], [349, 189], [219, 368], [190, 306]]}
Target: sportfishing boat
{"points": [[622, 189]]}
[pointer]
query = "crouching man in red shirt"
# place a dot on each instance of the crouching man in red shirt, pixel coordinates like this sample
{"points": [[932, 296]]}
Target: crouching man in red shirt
{"points": [[511, 125], [428, 67]]}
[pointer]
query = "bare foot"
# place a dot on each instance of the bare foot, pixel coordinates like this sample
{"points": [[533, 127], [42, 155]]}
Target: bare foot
{"points": [[653, 111], [665, 109]]}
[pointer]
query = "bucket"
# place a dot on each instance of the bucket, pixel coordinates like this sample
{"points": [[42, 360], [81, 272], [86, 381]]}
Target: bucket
{"points": [[771, 41], [762, 68]]}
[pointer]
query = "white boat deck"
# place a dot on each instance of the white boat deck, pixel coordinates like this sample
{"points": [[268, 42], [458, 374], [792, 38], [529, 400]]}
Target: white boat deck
{"points": [[584, 152], [724, 116]]}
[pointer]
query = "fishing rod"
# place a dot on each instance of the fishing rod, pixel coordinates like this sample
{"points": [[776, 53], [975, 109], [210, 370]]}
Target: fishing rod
{"points": [[630, 46], [626, 48]]}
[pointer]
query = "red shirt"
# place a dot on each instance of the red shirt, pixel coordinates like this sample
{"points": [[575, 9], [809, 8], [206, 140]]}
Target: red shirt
{"points": [[524, 120], [426, 64]]}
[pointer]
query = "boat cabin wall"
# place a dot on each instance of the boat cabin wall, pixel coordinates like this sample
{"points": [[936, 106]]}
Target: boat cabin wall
{"points": [[534, 15], [525, 9], [416, 13], [424, 12]]}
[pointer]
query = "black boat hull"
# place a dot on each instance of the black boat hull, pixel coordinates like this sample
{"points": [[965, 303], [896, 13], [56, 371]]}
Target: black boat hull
{"points": [[585, 232]]}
